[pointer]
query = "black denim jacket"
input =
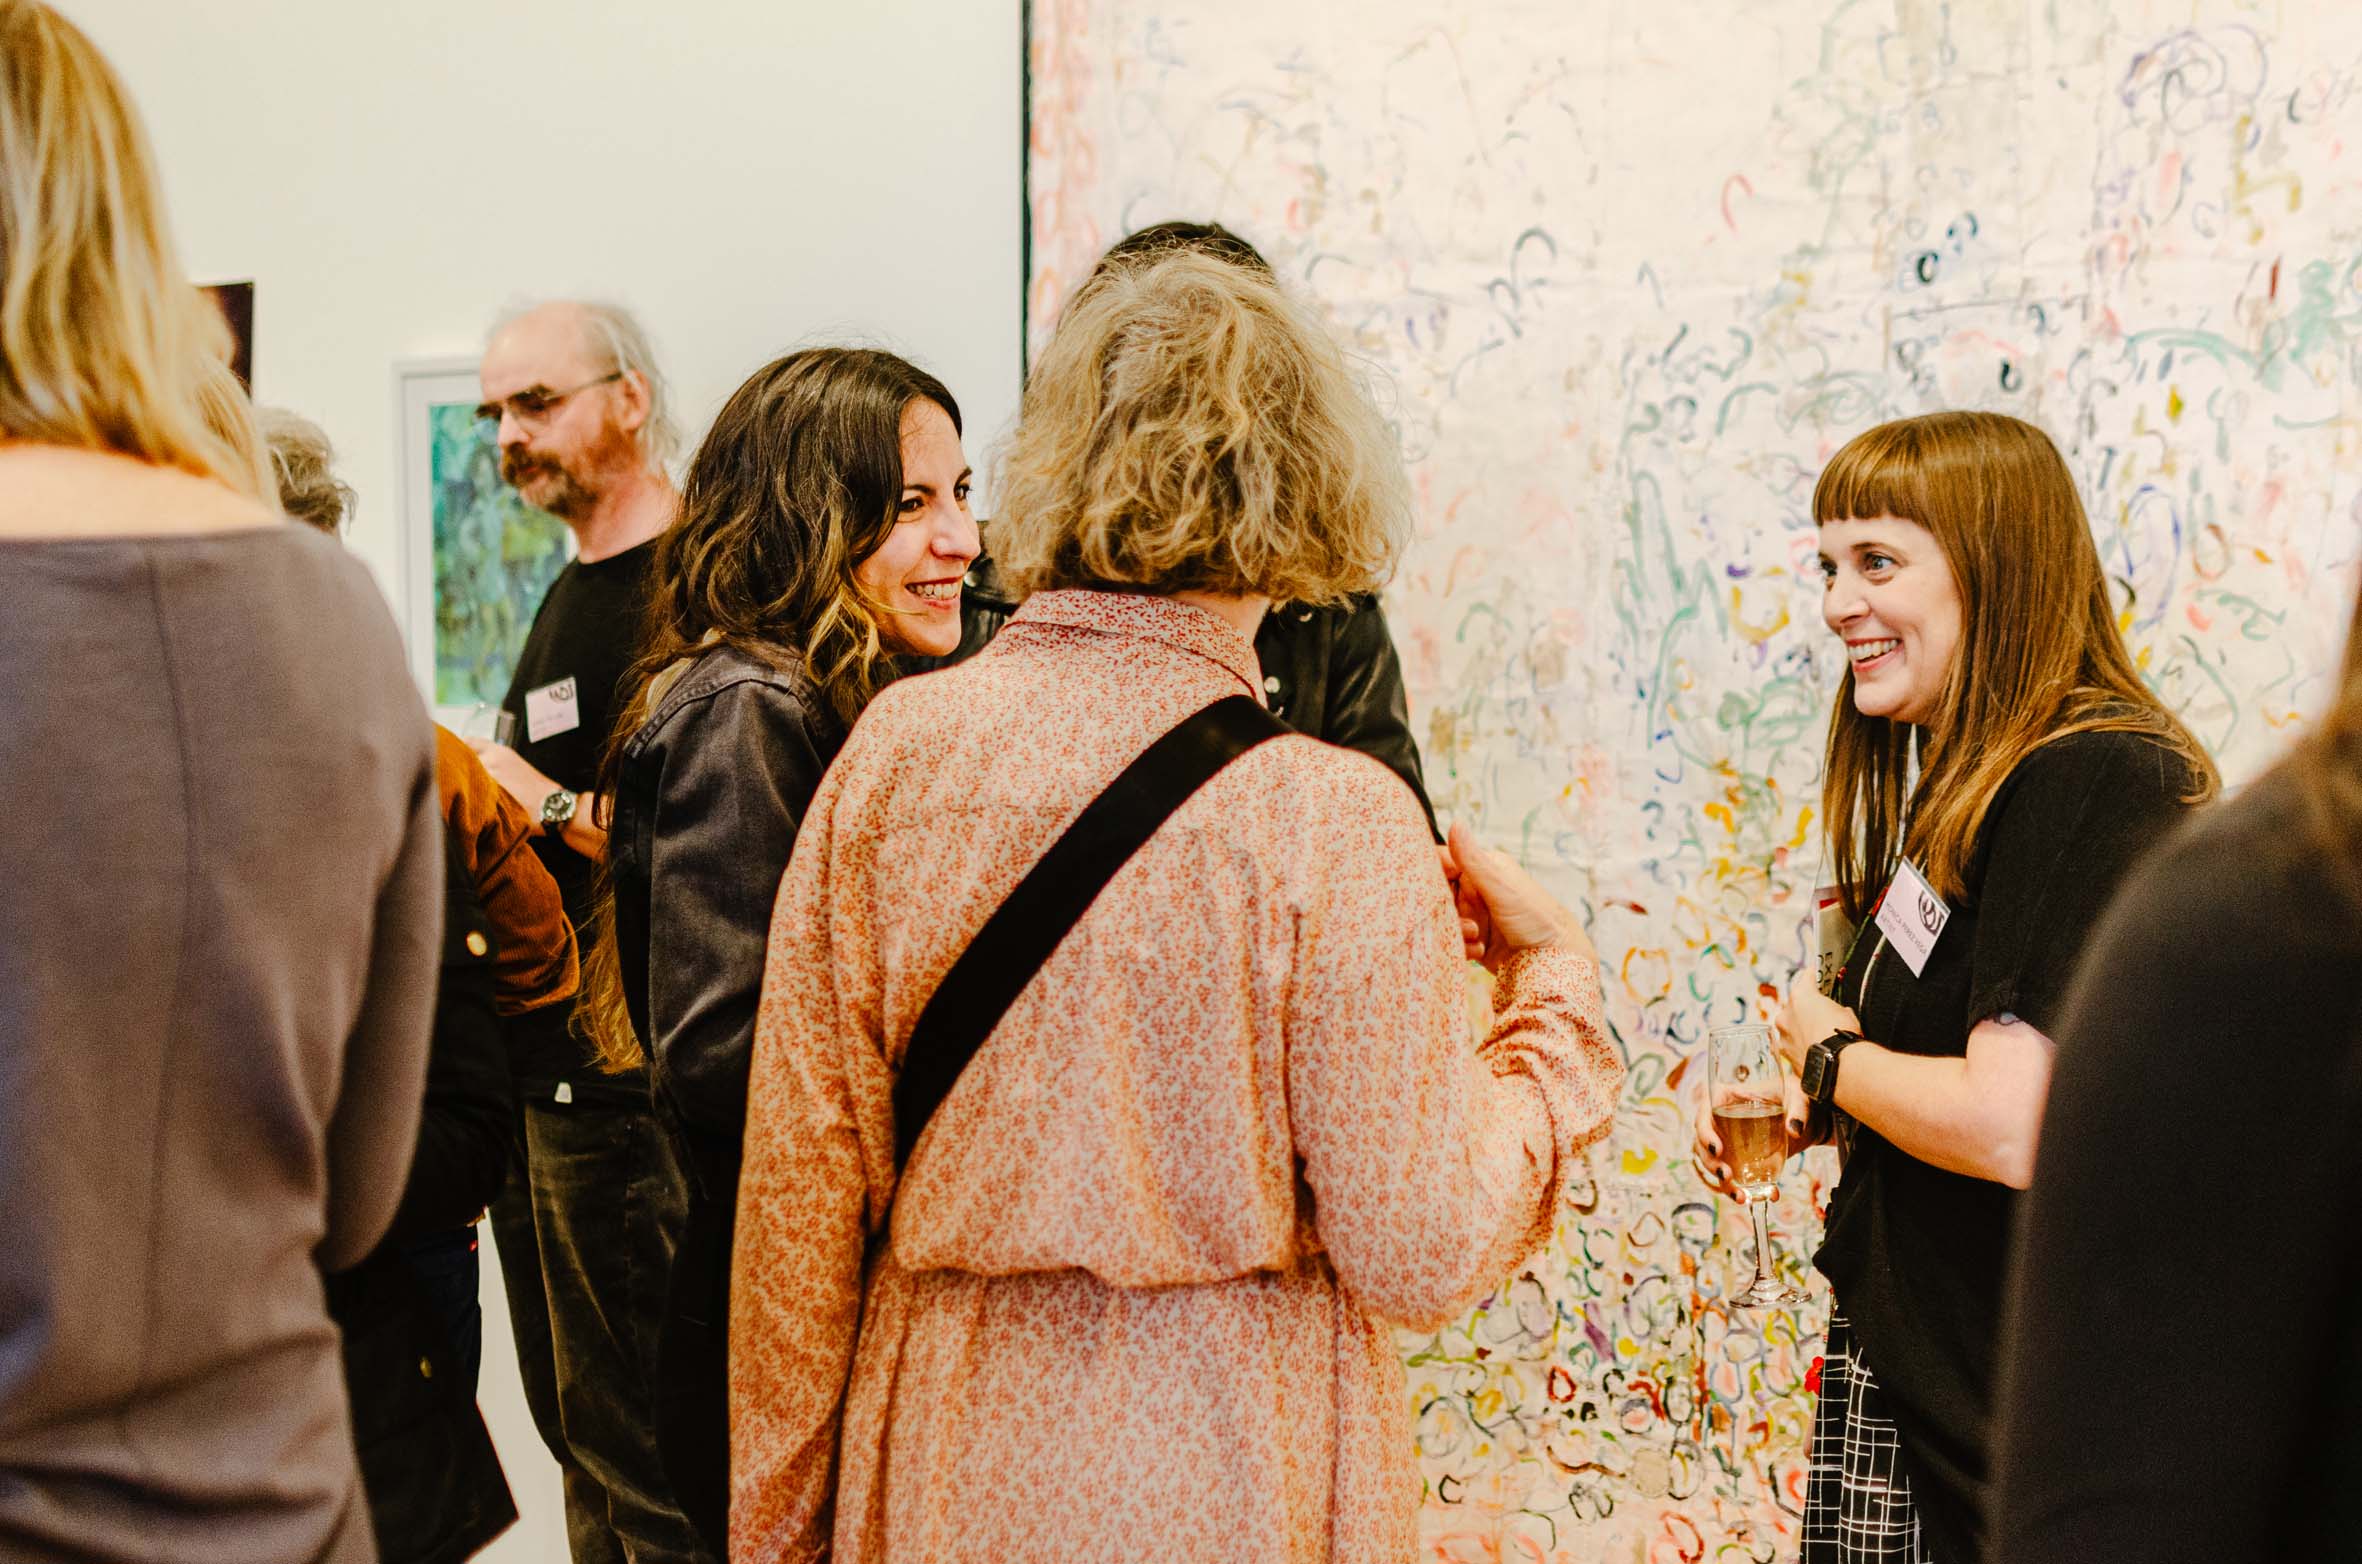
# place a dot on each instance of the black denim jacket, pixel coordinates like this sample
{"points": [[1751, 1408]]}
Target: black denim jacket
{"points": [[709, 796], [1331, 673]]}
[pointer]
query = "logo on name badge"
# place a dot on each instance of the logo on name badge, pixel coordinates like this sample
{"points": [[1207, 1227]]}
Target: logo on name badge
{"points": [[551, 710], [1912, 917]]}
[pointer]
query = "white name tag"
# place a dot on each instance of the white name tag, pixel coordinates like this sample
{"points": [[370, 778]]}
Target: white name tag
{"points": [[1911, 917], [551, 710]]}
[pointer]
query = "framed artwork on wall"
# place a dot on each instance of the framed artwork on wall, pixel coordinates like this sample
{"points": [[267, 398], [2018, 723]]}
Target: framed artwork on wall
{"points": [[475, 558], [235, 300]]}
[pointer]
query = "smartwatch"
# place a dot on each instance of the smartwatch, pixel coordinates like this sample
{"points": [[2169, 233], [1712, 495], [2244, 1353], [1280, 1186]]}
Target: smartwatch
{"points": [[1820, 1066], [556, 810]]}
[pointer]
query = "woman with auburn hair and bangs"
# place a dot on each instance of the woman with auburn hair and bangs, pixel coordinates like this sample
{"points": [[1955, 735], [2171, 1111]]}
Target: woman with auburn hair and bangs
{"points": [[213, 1008], [1995, 766], [1117, 1284]]}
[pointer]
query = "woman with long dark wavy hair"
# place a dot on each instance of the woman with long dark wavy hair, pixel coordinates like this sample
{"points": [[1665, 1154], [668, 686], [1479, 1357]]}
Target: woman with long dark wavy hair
{"points": [[824, 529], [1995, 766], [2192, 1241]]}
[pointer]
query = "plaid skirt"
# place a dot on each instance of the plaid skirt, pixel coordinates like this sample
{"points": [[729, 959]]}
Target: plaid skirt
{"points": [[1857, 1499]]}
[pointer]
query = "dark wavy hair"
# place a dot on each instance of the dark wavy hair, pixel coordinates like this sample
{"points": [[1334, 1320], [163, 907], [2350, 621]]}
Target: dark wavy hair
{"points": [[797, 482], [1159, 240], [794, 486]]}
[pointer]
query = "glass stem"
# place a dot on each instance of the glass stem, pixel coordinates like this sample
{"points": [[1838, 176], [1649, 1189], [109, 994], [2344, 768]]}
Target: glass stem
{"points": [[1759, 1203]]}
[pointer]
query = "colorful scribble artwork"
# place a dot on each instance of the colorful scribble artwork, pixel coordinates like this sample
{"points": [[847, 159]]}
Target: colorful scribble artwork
{"points": [[1624, 277], [494, 558]]}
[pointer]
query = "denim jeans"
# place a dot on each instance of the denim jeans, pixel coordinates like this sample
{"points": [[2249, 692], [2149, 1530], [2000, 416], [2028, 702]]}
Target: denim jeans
{"points": [[586, 1242]]}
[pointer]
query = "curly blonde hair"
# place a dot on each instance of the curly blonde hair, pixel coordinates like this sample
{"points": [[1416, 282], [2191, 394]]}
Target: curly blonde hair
{"points": [[304, 464], [1194, 427]]}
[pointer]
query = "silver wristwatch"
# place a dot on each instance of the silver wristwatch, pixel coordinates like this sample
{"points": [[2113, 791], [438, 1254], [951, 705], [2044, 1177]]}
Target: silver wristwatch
{"points": [[556, 810]]}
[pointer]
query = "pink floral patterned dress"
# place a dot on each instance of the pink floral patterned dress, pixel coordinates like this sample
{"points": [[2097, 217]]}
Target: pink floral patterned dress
{"points": [[1141, 1266]]}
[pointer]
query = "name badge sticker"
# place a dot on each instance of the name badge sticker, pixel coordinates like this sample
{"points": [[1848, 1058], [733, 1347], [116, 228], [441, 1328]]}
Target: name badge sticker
{"points": [[551, 710], [1911, 916]]}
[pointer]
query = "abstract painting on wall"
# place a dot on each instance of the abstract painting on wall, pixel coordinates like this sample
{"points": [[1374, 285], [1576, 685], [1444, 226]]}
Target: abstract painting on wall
{"points": [[478, 558], [1623, 278]]}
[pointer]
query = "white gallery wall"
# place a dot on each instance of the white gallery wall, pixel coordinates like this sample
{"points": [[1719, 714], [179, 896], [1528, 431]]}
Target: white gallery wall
{"points": [[748, 176]]}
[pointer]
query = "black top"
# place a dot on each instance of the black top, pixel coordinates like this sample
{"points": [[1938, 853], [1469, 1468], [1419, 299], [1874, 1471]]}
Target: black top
{"points": [[588, 630], [2184, 1354], [1329, 673], [711, 790], [1915, 1253]]}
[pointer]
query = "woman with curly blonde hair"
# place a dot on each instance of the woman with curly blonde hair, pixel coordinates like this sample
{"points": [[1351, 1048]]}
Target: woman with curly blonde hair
{"points": [[1127, 1296], [219, 943]]}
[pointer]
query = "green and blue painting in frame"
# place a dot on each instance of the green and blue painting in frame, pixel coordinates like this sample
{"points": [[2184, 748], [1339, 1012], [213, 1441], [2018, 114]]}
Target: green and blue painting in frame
{"points": [[494, 558], [477, 560]]}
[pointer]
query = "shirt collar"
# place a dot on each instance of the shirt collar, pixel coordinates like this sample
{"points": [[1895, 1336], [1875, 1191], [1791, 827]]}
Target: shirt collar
{"points": [[1185, 625]]}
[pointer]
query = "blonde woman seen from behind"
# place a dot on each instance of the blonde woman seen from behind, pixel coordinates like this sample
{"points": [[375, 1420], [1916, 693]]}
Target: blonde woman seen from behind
{"points": [[220, 928], [1129, 1298]]}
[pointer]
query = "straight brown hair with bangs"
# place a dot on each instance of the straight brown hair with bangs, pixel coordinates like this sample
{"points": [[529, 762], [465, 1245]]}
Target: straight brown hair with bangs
{"points": [[2040, 654], [797, 482]]}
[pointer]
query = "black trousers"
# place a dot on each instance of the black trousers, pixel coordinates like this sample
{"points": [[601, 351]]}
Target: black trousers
{"points": [[693, 1371], [586, 1243]]}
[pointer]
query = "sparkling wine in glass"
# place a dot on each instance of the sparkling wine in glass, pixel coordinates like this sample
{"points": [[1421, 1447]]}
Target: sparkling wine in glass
{"points": [[1749, 1108]]}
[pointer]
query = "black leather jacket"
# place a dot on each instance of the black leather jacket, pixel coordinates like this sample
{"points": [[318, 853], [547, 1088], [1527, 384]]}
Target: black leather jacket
{"points": [[1331, 673], [709, 795]]}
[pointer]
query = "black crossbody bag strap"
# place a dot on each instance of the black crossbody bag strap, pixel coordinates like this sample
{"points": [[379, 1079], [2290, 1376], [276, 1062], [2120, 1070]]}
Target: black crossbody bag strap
{"points": [[1022, 931]]}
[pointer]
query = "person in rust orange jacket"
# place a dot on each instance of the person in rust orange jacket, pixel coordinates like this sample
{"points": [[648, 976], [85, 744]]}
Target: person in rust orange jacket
{"points": [[534, 963]]}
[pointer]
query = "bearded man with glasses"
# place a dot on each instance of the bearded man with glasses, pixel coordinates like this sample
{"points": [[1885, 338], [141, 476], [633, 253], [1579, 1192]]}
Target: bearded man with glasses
{"points": [[586, 1237]]}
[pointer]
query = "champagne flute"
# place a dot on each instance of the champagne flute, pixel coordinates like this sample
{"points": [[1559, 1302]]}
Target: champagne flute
{"points": [[487, 721], [1750, 1118]]}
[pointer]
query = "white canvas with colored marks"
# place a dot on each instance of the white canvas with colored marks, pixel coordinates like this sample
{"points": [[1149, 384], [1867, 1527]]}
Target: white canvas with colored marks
{"points": [[1625, 276]]}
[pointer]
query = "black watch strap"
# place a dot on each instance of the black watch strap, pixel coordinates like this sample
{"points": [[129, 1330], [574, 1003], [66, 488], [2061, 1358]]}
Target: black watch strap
{"points": [[1820, 1066]]}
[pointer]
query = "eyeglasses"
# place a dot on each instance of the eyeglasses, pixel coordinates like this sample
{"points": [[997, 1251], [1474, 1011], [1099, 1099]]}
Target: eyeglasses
{"points": [[533, 406]]}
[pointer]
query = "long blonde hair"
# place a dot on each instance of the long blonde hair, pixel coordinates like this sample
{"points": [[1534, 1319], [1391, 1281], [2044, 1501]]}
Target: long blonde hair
{"points": [[104, 342], [1192, 426], [2040, 655]]}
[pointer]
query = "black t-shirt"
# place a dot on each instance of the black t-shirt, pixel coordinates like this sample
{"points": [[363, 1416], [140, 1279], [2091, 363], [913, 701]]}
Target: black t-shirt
{"points": [[588, 630], [1915, 1253], [2190, 1254]]}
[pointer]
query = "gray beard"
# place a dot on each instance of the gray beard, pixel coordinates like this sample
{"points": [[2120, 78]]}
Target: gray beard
{"points": [[565, 496]]}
